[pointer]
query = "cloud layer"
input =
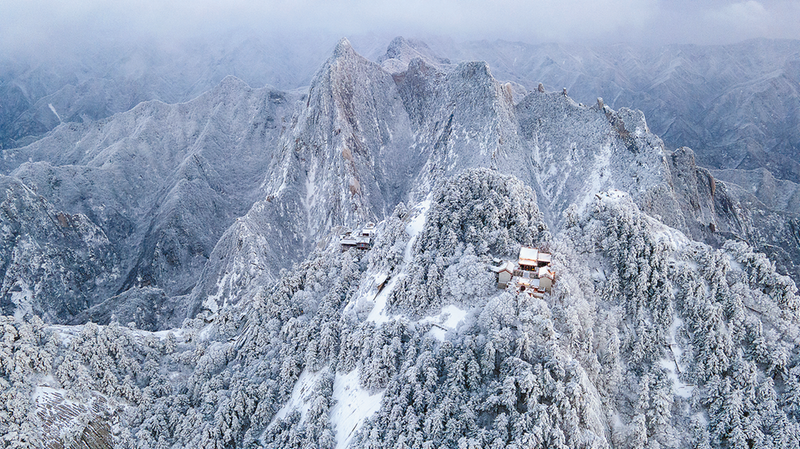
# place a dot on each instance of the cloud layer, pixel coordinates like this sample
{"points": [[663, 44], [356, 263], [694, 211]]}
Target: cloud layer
{"points": [[37, 25]]}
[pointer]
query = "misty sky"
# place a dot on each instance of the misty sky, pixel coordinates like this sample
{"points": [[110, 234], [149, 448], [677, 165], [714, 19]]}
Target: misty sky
{"points": [[36, 25]]}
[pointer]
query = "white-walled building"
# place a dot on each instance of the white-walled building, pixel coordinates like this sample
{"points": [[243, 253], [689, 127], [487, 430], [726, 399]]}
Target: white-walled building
{"points": [[531, 274]]}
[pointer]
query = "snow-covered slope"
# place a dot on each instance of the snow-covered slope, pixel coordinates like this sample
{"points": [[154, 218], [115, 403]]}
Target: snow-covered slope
{"points": [[54, 264], [648, 338], [345, 161], [40, 91]]}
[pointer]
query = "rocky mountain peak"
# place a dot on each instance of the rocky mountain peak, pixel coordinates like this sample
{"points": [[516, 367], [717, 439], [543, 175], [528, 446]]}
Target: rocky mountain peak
{"points": [[343, 49], [230, 83], [475, 70], [402, 51]]}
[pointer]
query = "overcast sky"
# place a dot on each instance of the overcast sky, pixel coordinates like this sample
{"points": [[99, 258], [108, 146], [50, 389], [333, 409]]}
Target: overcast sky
{"points": [[36, 25]]}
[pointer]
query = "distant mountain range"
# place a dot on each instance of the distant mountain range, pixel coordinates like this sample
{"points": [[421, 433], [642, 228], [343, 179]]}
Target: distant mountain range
{"points": [[735, 105]]}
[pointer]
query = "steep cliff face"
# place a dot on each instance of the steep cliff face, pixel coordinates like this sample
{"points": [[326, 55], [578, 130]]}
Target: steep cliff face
{"points": [[354, 129], [459, 131], [53, 264], [716, 210], [735, 105], [347, 160], [578, 151], [543, 139], [697, 190]]}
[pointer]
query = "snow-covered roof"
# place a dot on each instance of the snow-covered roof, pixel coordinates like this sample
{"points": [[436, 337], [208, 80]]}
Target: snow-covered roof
{"points": [[528, 283], [362, 238], [528, 256], [505, 266]]}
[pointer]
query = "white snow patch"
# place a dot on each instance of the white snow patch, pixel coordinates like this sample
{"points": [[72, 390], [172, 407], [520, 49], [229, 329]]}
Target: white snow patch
{"points": [[612, 194], [300, 399], [413, 228], [673, 366], [210, 302], [65, 333], [444, 321], [617, 423], [163, 335], [43, 394], [599, 274], [204, 333], [418, 222], [352, 407], [454, 316], [378, 313], [735, 265], [674, 238], [599, 174], [178, 333], [50, 105]]}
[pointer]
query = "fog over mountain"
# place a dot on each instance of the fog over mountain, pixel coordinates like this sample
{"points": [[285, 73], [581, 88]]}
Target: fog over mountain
{"points": [[172, 273]]}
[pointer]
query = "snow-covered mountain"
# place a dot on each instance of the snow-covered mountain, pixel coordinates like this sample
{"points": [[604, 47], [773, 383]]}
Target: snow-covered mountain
{"points": [[162, 182], [358, 152], [648, 338], [203, 237], [735, 105]]}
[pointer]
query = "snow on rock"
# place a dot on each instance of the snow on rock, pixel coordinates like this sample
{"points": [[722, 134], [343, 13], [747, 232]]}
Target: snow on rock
{"points": [[599, 171], [378, 313], [675, 239], [415, 226], [612, 194], [85, 421], [22, 299], [300, 399], [52, 108], [353, 405]]}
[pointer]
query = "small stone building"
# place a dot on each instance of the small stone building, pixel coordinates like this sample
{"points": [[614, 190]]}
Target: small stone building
{"points": [[504, 273]]}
